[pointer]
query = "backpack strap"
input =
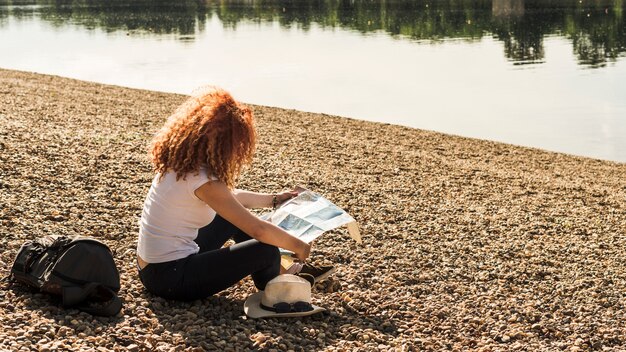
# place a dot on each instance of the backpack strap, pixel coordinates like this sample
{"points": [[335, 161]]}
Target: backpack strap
{"points": [[106, 302]]}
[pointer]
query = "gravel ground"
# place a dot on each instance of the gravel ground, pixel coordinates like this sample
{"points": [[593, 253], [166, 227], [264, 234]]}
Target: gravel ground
{"points": [[468, 244]]}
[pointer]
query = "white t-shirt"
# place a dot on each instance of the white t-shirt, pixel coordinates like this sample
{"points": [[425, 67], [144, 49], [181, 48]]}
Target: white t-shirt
{"points": [[171, 217]]}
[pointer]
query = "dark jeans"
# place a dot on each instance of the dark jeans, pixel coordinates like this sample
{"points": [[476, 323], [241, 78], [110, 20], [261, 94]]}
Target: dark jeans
{"points": [[213, 269]]}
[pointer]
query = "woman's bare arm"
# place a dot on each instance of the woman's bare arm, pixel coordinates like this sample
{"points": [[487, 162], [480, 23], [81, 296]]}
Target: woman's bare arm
{"points": [[217, 195], [252, 200]]}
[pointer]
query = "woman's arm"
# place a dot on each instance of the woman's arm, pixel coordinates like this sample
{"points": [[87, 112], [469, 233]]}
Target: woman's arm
{"points": [[252, 200], [224, 202]]}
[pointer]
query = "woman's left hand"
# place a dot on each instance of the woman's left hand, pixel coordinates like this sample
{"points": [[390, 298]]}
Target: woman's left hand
{"points": [[280, 198], [285, 196]]}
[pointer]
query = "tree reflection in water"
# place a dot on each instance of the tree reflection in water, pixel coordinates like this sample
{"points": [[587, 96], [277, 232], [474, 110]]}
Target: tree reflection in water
{"points": [[596, 28]]}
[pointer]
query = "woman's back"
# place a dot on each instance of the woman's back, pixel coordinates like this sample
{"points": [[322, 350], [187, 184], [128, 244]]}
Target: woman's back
{"points": [[171, 217]]}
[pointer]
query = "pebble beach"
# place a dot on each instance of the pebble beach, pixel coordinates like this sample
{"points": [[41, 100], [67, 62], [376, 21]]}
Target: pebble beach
{"points": [[468, 245]]}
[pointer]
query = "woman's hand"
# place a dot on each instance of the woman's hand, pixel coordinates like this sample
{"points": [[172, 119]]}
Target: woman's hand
{"points": [[303, 254], [285, 196]]}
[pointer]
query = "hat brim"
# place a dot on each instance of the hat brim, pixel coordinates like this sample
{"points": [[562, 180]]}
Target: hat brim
{"points": [[252, 308]]}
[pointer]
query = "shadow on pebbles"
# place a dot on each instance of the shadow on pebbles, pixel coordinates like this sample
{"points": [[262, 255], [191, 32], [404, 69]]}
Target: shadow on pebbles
{"points": [[468, 244]]}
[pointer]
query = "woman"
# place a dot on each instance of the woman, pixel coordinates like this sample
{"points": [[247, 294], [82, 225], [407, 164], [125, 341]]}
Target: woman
{"points": [[193, 208]]}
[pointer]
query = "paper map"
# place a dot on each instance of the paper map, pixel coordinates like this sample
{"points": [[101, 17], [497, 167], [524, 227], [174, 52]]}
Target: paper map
{"points": [[309, 215]]}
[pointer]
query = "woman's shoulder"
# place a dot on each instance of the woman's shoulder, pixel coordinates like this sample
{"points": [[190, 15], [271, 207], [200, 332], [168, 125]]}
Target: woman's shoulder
{"points": [[202, 173], [197, 178], [192, 180]]}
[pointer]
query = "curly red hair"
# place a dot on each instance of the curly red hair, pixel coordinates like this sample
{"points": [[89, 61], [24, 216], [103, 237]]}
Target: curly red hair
{"points": [[209, 130]]}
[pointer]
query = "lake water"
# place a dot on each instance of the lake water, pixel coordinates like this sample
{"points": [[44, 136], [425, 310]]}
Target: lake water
{"points": [[546, 74]]}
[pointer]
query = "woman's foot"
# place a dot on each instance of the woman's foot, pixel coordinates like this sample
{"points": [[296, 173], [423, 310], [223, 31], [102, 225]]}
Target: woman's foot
{"points": [[318, 272]]}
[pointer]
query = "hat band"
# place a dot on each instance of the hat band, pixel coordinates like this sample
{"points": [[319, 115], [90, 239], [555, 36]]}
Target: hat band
{"points": [[284, 307]]}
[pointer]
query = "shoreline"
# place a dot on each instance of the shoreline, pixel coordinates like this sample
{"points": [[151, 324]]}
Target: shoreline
{"points": [[357, 118], [467, 243]]}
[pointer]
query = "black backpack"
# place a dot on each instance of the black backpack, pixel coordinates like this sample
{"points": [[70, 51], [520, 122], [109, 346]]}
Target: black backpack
{"points": [[81, 270]]}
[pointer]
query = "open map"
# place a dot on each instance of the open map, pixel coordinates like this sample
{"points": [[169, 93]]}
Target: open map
{"points": [[309, 215]]}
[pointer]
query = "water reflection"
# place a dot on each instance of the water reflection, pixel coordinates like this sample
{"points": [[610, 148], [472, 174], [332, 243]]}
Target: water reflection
{"points": [[596, 28], [507, 8]]}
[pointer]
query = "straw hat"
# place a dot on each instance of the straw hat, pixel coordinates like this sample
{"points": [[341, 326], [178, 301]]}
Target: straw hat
{"points": [[284, 296]]}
